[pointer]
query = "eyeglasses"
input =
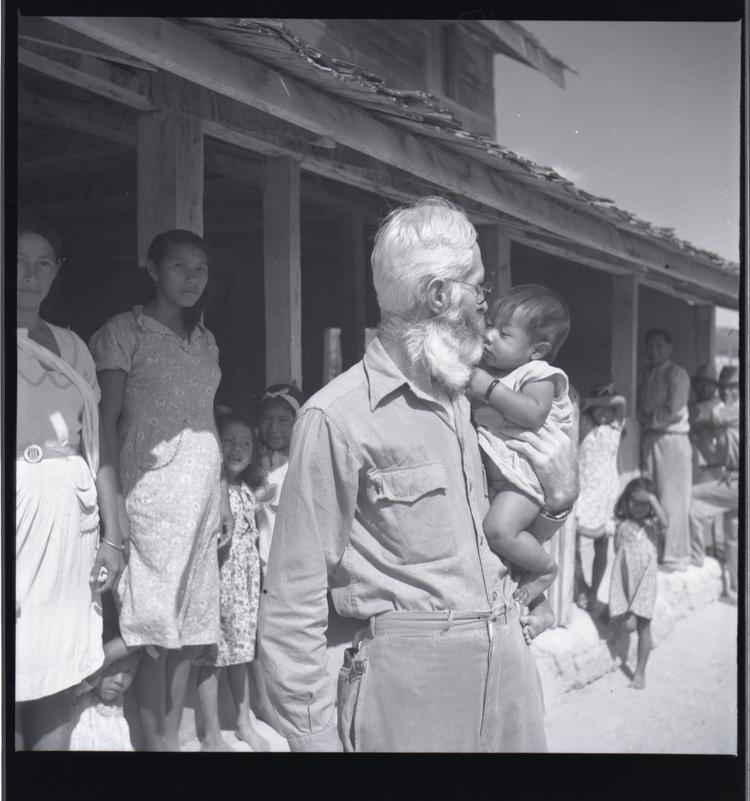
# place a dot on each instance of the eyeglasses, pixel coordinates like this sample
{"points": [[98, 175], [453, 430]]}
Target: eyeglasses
{"points": [[481, 291]]}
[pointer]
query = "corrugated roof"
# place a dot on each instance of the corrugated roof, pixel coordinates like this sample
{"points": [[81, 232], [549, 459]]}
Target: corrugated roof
{"points": [[271, 42]]}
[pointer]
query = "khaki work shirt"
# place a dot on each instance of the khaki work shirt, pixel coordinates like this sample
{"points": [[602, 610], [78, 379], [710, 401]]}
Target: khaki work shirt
{"points": [[383, 504]]}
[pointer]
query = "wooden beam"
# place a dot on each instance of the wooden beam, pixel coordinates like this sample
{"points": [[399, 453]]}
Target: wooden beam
{"points": [[624, 370], [114, 125], [704, 331], [495, 246], [282, 271], [170, 176], [89, 73], [353, 267], [178, 50]]}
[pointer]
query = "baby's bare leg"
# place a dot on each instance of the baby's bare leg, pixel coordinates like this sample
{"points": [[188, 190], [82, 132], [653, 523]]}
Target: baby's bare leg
{"points": [[505, 527]]}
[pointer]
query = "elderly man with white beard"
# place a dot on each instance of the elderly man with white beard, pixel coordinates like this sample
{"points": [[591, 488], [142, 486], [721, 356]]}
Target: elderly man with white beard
{"points": [[383, 506]]}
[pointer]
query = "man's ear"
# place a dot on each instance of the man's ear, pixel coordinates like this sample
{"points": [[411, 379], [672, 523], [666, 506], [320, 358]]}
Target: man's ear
{"points": [[541, 349], [437, 296], [151, 270]]}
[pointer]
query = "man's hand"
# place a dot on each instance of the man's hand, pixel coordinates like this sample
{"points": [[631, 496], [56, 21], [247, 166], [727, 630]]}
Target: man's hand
{"points": [[554, 457]]}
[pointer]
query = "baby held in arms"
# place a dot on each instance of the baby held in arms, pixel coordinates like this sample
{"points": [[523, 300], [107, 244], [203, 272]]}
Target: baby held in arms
{"points": [[521, 391]]}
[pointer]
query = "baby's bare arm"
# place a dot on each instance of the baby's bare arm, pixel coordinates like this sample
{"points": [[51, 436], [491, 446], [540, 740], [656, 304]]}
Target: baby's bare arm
{"points": [[529, 407]]}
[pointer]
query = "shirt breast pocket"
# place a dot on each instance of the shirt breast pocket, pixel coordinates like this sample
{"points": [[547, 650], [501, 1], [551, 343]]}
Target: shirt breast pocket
{"points": [[413, 516]]}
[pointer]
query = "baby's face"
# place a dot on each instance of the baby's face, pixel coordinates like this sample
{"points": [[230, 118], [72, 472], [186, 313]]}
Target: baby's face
{"points": [[115, 681], [507, 344]]}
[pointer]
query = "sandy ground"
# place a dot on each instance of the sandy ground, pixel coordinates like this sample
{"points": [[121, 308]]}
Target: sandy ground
{"points": [[689, 705]]}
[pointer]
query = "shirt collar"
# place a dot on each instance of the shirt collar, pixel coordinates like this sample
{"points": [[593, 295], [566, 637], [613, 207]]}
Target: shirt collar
{"points": [[146, 322], [384, 376]]}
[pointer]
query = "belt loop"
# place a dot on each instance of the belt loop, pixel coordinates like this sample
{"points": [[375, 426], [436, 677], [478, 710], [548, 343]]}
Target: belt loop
{"points": [[448, 622]]}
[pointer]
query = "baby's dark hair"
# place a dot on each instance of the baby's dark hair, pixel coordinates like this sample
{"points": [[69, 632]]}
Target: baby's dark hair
{"points": [[253, 475], [159, 249], [642, 483], [545, 315]]}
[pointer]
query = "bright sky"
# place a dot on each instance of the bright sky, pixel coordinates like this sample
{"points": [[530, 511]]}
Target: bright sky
{"points": [[652, 120]]}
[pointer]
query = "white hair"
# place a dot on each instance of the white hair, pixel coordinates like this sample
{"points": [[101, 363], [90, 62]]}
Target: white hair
{"points": [[432, 238]]}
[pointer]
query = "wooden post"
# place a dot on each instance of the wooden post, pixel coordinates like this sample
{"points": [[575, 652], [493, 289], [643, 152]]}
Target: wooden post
{"points": [[704, 334], [170, 176], [562, 548], [624, 360], [353, 270], [495, 246], [282, 271]]}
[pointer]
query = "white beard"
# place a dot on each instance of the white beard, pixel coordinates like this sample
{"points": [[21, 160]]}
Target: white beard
{"points": [[448, 347]]}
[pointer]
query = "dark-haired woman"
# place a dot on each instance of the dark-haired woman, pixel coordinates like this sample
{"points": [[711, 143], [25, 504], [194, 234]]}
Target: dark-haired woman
{"points": [[158, 371], [61, 565]]}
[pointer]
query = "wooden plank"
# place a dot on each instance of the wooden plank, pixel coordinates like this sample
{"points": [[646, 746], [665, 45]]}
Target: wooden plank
{"points": [[704, 331], [624, 370], [180, 51], [495, 246], [282, 271], [87, 73], [353, 269], [170, 176]]}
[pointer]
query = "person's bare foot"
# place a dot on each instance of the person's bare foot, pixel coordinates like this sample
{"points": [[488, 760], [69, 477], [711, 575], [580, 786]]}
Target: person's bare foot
{"points": [[215, 744], [537, 620], [527, 592], [639, 682], [248, 735]]}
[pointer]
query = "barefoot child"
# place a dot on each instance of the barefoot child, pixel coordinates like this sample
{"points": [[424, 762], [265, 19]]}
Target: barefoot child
{"points": [[521, 391], [632, 591], [239, 594], [601, 431]]}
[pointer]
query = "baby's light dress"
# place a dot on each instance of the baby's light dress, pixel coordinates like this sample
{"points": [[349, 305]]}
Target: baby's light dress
{"points": [[493, 429], [170, 465]]}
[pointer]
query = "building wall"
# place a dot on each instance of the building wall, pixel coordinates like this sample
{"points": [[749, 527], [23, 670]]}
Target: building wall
{"points": [[585, 356]]}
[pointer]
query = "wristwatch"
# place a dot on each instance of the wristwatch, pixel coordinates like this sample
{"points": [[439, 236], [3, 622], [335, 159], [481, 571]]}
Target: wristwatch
{"points": [[556, 516]]}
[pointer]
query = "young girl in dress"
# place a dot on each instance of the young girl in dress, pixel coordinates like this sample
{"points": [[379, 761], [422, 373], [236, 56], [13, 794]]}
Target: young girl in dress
{"points": [[158, 368], [601, 431], [278, 411], [632, 590], [100, 723], [240, 593]]}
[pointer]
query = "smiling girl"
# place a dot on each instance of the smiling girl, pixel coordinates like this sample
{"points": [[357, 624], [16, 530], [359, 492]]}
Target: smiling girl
{"points": [[240, 592], [158, 368]]}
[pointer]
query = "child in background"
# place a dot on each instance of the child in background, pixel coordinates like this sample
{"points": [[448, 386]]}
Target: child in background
{"points": [[601, 431], [99, 721], [520, 391], [632, 591], [278, 411], [239, 593]]}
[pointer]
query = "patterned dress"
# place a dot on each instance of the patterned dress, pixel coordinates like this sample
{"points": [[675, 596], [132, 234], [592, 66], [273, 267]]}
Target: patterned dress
{"points": [[170, 466], [633, 584], [240, 586], [598, 476]]}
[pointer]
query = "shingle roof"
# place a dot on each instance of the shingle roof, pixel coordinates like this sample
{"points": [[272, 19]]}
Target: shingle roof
{"points": [[271, 42]]}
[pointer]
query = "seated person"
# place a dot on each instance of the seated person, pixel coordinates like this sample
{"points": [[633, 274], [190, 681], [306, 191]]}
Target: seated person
{"points": [[99, 721]]}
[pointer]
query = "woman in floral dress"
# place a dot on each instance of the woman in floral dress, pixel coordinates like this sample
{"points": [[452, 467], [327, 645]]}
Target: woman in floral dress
{"points": [[158, 371]]}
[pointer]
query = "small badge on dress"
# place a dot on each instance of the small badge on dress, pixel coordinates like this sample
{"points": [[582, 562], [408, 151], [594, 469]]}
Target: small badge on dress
{"points": [[33, 454]]}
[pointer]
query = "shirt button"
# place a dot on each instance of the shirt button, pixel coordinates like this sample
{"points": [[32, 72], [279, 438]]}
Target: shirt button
{"points": [[481, 540], [494, 595]]}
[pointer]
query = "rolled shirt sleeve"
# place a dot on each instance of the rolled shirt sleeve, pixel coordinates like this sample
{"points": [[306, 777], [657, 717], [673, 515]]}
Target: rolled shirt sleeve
{"points": [[313, 527]]}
